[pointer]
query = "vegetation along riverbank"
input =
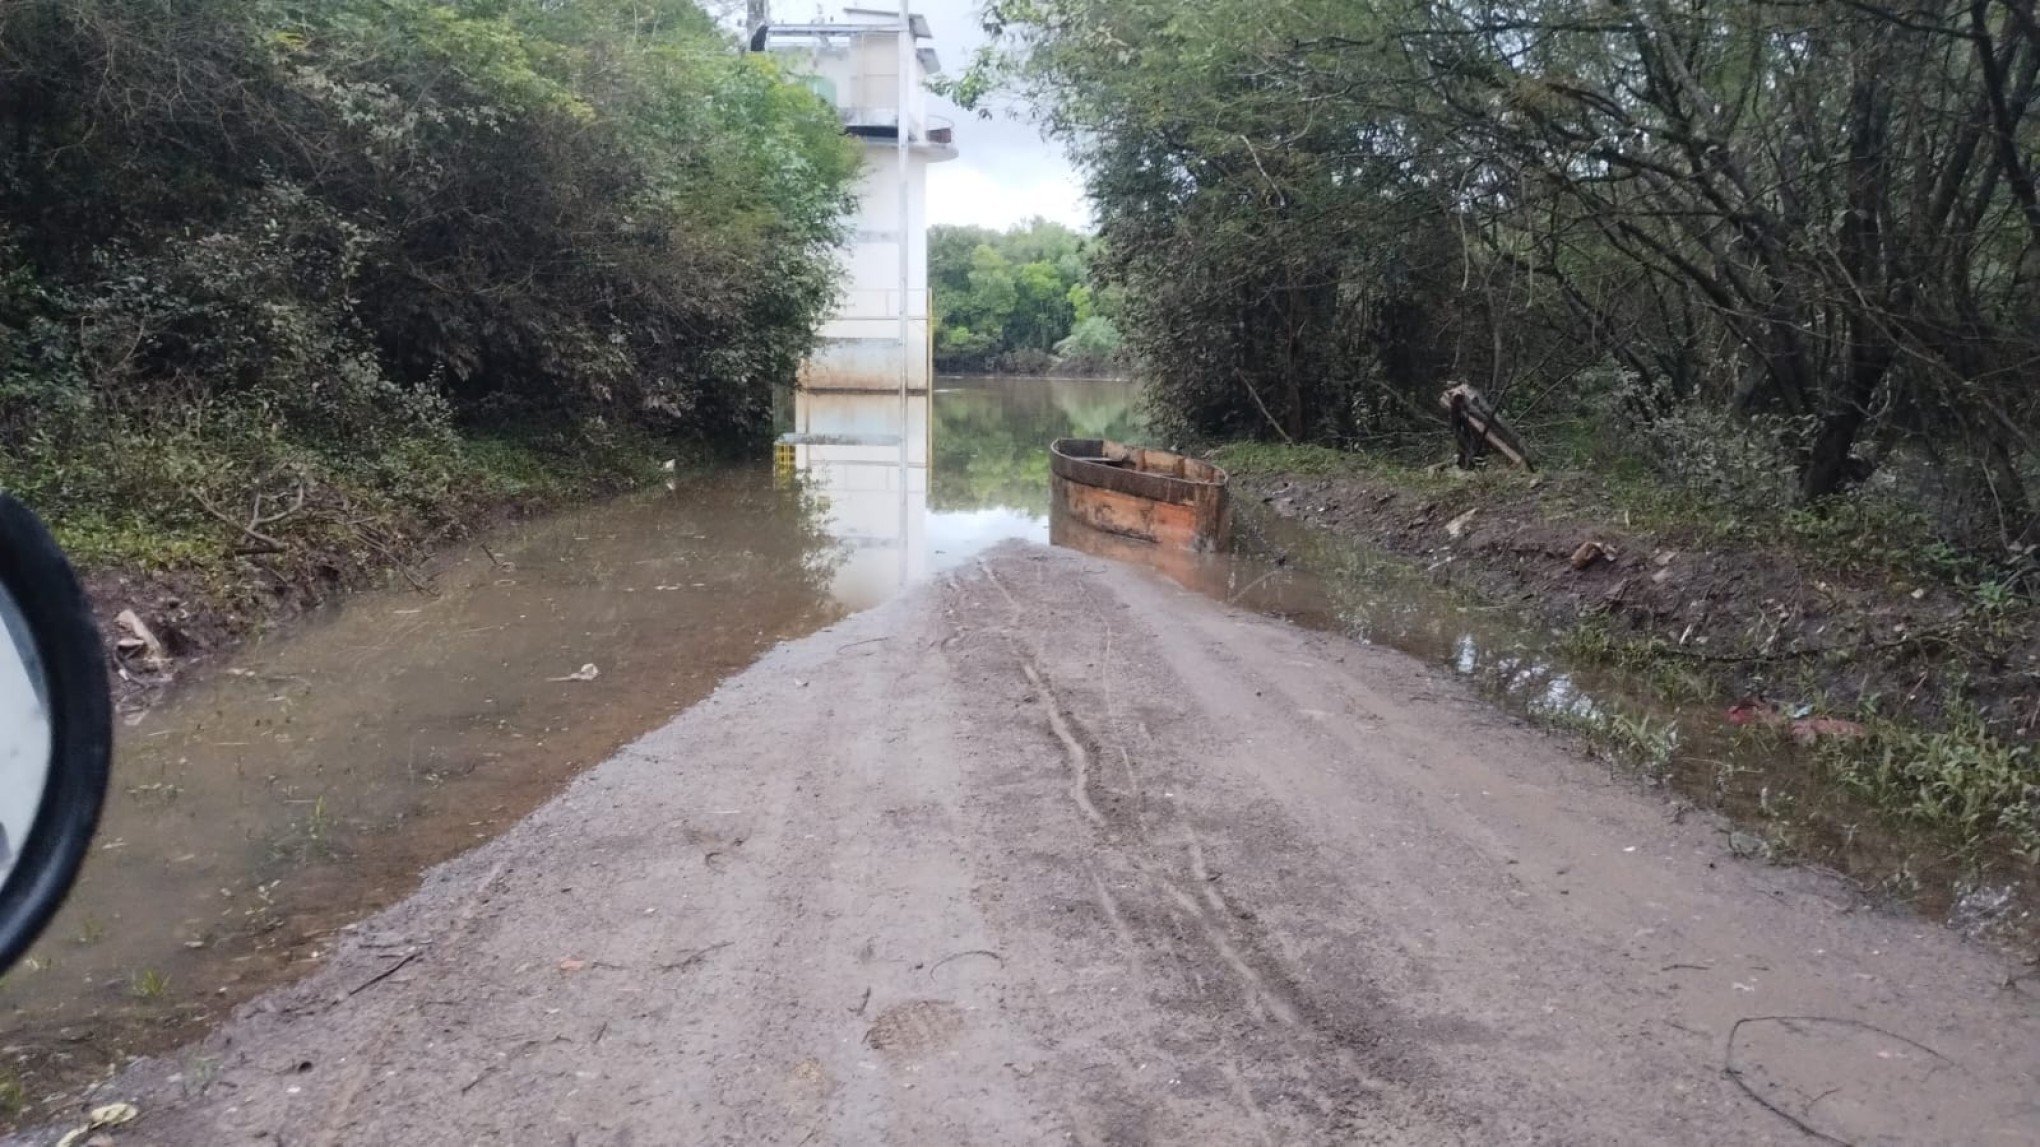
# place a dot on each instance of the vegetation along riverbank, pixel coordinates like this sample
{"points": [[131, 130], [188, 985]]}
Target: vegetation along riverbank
{"points": [[289, 291], [1021, 301], [1838, 683], [1756, 284]]}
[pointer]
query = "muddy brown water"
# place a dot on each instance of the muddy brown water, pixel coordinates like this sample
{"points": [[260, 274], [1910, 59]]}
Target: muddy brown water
{"points": [[308, 779]]}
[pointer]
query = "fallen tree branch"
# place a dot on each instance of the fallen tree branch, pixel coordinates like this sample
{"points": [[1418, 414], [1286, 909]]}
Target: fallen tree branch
{"points": [[1735, 1073], [385, 974], [1262, 406], [252, 528], [264, 543]]}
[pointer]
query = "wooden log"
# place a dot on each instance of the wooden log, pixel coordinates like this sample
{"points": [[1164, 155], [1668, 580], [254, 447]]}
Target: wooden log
{"points": [[1476, 427]]}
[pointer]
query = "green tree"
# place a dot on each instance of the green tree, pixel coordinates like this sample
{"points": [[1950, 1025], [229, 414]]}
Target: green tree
{"points": [[1006, 301], [1812, 226], [314, 237]]}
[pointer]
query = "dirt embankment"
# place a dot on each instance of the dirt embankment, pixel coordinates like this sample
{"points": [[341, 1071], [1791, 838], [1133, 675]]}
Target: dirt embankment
{"points": [[1764, 622], [1051, 852]]}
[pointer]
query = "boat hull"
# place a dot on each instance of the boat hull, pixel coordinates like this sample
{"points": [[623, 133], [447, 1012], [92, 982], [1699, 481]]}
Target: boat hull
{"points": [[1151, 495]]}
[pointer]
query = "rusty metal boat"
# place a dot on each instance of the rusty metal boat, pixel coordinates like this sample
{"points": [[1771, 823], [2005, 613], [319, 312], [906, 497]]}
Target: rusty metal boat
{"points": [[1135, 492]]}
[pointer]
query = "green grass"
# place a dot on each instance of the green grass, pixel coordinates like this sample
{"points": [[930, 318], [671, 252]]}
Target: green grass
{"points": [[1271, 458], [13, 1096], [1634, 740], [309, 839], [168, 494], [148, 984], [1870, 533], [1962, 781]]}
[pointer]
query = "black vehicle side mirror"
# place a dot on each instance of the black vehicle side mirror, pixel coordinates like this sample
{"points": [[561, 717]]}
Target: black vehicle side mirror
{"points": [[56, 728]]}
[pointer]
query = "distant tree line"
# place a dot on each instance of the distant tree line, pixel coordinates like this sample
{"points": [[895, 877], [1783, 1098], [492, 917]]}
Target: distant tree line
{"points": [[1019, 301], [250, 244], [1789, 247]]}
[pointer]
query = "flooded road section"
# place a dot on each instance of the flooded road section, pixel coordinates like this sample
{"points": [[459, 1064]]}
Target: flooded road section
{"points": [[310, 777]]}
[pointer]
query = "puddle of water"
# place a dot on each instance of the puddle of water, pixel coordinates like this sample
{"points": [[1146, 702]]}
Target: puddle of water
{"points": [[311, 775], [308, 778]]}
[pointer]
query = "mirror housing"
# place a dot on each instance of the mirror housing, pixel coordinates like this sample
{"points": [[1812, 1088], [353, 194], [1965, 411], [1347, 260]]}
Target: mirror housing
{"points": [[49, 626]]}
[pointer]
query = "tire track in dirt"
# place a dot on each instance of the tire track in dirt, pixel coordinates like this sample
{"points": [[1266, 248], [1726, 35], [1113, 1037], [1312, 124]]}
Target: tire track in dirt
{"points": [[1163, 857]]}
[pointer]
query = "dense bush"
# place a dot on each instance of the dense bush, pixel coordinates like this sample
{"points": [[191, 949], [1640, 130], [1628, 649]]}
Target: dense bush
{"points": [[250, 243]]}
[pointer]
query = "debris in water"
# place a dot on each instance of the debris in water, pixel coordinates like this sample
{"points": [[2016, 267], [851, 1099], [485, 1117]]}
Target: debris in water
{"points": [[586, 672], [1807, 730], [1801, 727], [1754, 711], [111, 1115], [141, 638]]}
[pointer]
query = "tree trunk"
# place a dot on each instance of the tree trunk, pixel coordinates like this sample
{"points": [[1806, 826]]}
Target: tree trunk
{"points": [[1828, 468], [2018, 526]]}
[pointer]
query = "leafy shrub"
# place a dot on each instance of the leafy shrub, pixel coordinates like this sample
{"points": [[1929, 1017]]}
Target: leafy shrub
{"points": [[1093, 344], [241, 239], [1703, 447]]}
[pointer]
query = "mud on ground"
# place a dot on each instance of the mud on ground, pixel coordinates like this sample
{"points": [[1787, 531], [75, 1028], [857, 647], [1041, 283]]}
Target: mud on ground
{"points": [[1767, 622], [1053, 852]]}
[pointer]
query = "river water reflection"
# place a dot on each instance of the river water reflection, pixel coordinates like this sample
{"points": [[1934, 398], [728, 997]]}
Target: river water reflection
{"points": [[987, 441], [312, 775]]}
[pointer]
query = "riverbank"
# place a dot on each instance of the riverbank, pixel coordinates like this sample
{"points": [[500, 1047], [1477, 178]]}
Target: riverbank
{"points": [[1047, 850], [1900, 676], [176, 578]]}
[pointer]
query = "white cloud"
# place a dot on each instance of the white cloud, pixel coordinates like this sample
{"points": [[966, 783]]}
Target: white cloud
{"points": [[960, 193], [1005, 171]]}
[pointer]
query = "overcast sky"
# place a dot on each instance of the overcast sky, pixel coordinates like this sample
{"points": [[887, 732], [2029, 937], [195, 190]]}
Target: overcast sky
{"points": [[1006, 172]]}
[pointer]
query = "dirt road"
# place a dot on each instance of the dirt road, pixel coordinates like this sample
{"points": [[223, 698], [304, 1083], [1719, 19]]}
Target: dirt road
{"points": [[1053, 852]]}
